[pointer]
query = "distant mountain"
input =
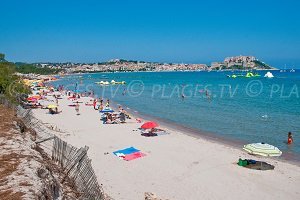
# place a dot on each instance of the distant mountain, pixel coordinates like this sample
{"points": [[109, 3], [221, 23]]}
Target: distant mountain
{"points": [[241, 63]]}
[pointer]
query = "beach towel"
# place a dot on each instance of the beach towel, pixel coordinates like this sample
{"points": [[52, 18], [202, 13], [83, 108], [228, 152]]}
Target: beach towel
{"points": [[129, 154], [134, 156], [126, 151]]}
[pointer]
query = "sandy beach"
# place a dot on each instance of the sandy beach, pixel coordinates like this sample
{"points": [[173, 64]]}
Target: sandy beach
{"points": [[176, 166]]}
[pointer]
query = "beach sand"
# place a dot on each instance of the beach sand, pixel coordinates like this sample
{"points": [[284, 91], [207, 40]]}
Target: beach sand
{"points": [[176, 166]]}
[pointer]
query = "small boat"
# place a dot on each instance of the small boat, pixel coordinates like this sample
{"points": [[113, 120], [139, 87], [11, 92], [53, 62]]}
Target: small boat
{"points": [[292, 70], [251, 75], [102, 83], [235, 76], [248, 75], [269, 75], [283, 70], [115, 82]]}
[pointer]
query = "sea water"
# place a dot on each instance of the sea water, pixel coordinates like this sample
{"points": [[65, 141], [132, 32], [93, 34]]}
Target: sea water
{"points": [[249, 110]]}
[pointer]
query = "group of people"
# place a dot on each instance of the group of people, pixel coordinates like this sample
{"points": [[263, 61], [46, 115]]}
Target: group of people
{"points": [[100, 106], [115, 118]]}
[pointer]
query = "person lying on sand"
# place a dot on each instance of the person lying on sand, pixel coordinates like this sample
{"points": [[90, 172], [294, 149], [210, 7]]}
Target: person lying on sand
{"points": [[54, 111], [110, 120]]}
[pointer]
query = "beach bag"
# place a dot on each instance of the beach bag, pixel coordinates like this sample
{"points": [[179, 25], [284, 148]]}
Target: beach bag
{"points": [[242, 163]]}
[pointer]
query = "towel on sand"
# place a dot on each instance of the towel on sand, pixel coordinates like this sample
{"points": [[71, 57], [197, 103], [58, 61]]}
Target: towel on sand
{"points": [[128, 154], [134, 156], [126, 151]]}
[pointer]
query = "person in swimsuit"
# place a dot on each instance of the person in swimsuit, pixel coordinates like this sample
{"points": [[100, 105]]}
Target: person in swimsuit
{"points": [[77, 108], [95, 103], [290, 138]]}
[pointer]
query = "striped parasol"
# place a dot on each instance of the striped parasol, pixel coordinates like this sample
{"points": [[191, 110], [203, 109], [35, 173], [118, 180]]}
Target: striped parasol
{"points": [[262, 149]]}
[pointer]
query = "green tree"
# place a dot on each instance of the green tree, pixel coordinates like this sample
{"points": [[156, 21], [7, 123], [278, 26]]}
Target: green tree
{"points": [[2, 57], [11, 85], [30, 68]]}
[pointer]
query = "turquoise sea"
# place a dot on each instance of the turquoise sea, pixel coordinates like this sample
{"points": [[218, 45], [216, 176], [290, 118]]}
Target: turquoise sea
{"points": [[242, 109]]}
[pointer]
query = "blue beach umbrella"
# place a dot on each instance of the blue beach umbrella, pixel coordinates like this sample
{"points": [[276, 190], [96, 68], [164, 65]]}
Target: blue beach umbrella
{"points": [[107, 110]]}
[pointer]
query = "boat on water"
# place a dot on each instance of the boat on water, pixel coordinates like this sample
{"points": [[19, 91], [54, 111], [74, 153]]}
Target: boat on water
{"points": [[113, 82], [269, 75], [235, 75], [248, 75], [102, 83], [286, 70], [283, 70]]}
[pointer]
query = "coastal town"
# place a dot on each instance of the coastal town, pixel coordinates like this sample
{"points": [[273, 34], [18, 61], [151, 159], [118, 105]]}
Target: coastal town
{"points": [[120, 65]]}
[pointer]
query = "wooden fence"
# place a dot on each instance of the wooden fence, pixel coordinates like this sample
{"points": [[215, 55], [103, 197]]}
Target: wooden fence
{"points": [[74, 162]]}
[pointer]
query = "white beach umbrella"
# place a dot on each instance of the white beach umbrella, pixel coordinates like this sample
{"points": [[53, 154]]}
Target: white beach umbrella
{"points": [[262, 149]]}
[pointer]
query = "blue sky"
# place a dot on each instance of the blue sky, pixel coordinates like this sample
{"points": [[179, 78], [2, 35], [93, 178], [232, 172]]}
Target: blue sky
{"points": [[152, 30]]}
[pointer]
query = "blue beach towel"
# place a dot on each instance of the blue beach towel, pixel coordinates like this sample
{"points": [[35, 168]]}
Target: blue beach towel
{"points": [[126, 151]]}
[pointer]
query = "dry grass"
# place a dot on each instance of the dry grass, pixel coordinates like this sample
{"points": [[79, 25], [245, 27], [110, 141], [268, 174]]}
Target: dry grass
{"points": [[10, 195], [8, 162], [25, 184], [7, 117]]}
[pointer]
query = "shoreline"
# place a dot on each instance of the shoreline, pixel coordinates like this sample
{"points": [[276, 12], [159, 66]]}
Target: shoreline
{"points": [[223, 70], [200, 134]]}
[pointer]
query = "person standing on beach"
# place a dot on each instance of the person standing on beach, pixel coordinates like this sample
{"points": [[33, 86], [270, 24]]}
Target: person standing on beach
{"points": [[77, 108], [290, 138], [100, 107], [56, 100], [95, 103]]}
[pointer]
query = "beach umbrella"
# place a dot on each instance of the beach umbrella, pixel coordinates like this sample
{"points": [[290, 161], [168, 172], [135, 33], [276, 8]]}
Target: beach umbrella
{"points": [[149, 125], [35, 97], [107, 110], [52, 106], [31, 99], [262, 149]]}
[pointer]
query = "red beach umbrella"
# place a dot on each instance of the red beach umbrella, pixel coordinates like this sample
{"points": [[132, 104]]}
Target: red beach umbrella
{"points": [[149, 125], [32, 99]]}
